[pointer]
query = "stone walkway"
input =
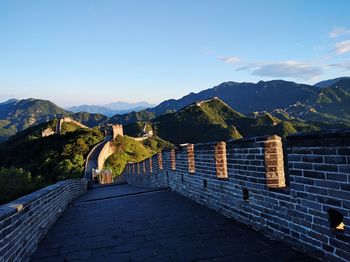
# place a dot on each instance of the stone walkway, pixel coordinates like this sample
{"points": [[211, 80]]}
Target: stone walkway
{"points": [[127, 223]]}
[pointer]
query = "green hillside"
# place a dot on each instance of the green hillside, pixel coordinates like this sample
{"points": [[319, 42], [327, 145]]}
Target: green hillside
{"points": [[89, 119], [130, 150], [214, 120], [40, 161], [30, 161], [208, 122], [137, 129], [307, 113], [335, 100], [331, 105], [18, 115], [132, 117]]}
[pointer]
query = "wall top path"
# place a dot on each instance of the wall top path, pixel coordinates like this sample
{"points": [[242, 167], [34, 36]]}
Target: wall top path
{"points": [[336, 137]]}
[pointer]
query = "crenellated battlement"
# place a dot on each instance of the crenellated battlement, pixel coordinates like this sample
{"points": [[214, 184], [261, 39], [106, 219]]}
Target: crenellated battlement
{"points": [[298, 191]]}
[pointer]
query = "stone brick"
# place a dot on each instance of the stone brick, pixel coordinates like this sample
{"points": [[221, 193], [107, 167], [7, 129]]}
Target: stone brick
{"points": [[337, 177], [343, 151], [274, 162], [160, 161], [190, 158], [220, 160], [323, 167], [173, 159], [303, 166], [312, 159], [150, 165], [345, 187], [344, 169], [335, 160], [314, 174]]}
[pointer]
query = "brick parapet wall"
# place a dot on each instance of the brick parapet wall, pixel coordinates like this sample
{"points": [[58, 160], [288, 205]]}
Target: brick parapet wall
{"points": [[296, 212], [319, 165], [23, 222], [107, 150]]}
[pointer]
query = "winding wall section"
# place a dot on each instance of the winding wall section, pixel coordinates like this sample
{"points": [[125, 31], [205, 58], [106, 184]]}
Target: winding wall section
{"points": [[67, 120]]}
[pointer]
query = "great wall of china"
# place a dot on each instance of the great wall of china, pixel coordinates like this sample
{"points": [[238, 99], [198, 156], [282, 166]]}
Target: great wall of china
{"points": [[62, 120], [58, 128], [298, 192], [100, 152], [305, 203], [98, 155]]}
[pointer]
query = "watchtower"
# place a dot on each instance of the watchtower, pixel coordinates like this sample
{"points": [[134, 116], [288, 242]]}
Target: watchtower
{"points": [[117, 130], [114, 130]]}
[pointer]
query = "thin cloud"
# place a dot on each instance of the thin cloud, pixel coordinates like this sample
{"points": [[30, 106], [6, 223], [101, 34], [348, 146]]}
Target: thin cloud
{"points": [[291, 69], [243, 68], [230, 59], [338, 31], [345, 65], [342, 47], [250, 66]]}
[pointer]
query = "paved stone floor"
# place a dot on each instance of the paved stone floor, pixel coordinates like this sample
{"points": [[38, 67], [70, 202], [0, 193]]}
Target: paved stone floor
{"points": [[105, 192], [127, 223]]}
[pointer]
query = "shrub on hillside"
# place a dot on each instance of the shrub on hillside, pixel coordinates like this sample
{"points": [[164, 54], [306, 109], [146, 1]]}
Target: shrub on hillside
{"points": [[15, 182]]}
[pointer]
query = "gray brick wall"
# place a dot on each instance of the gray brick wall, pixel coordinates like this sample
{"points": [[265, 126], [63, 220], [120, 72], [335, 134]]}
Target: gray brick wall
{"points": [[296, 212], [24, 221]]}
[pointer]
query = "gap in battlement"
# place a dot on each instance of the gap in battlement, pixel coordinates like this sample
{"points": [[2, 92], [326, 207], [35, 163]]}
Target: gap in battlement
{"points": [[336, 220], [245, 194], [205, 183], [286, 164]]}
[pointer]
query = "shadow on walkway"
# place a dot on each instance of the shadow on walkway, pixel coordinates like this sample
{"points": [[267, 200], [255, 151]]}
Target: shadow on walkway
{"points": [[128, 223]]}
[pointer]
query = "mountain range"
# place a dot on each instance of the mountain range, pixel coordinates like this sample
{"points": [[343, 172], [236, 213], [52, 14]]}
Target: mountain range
{"points": [[305, 102], [111, 109], [246, 97], [17, 115], [318, 106], [330, 82], [214, 120]]}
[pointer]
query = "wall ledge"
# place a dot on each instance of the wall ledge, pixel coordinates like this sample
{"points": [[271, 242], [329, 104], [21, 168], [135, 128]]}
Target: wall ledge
{"points": [[32, 216]]}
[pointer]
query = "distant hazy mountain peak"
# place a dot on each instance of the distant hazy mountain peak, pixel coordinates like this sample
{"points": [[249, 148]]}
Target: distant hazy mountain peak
{"points": [[10, 101], [245, 97], [112, 109], [284, 100], [119, 105], [20, 114], [331, 82]]}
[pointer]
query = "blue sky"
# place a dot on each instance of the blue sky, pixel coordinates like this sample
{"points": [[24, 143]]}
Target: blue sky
{"points": [[96, 52]]}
